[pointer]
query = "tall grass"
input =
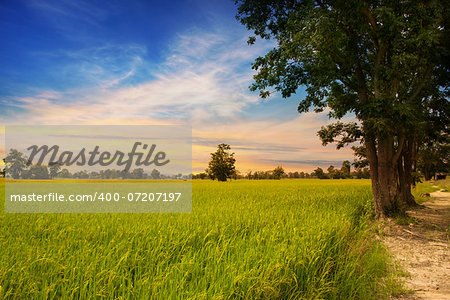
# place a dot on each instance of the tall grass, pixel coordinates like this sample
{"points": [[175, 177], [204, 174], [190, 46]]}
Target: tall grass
{"points": [[283, 239]]}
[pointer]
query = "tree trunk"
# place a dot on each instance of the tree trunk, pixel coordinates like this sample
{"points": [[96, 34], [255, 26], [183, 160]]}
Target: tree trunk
{"points": [[384, 176], [427, 173], [405, 179]]}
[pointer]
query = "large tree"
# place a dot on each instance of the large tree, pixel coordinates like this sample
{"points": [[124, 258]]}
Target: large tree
{"points": [[221, 166], [378, 60]]}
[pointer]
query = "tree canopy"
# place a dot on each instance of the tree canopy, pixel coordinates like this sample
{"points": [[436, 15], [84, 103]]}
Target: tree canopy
{"points": [[221, 166], [15, 163]]}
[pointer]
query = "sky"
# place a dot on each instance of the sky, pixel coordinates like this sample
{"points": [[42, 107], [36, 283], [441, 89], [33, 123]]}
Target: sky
{"points": [[153, 63]]}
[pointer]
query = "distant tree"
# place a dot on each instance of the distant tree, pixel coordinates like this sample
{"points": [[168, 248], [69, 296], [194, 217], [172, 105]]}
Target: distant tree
{"points": [[15, 163], [137, 173], [434, 157], [112, 174], [38, 172], [334, 173], [319, 173], [302, 175], [155, 174], [357, 173], [64, 173], [54, 168], [81, 175], [3, 170], [278, 172], [366, 173], [331, 172], [221, 165], [236, 175], [345, 169], [92, 175]]}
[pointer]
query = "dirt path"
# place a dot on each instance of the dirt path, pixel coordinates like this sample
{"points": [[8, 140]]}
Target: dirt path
{"points": [[423, 248]]}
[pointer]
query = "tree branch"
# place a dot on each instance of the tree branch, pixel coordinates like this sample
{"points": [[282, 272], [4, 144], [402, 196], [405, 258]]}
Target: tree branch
{"points": [[421, 84], [372, 22], [397, 154]]}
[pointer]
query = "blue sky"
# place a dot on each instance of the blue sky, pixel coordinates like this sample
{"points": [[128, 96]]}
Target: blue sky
{"points": [[151, 62], [41, 37]]}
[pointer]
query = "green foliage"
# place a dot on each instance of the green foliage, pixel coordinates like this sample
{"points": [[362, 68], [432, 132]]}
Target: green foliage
{"points": [[16, 163], [53, 169], [386, 62], [347, 133], [423, 188], [369, 58], [81, 174], [36, 172], [221, 165], [155, 174], [2, 170], [65, 174], [443, 184], [288, 239], [319, 173], [278, 172], [345, 169], [434, 157]]}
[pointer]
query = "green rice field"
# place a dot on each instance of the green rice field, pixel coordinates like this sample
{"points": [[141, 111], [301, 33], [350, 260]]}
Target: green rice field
{"points": [[268, 239]]}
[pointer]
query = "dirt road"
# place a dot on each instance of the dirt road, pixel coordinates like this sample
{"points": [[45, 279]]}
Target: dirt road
{"points": [[423, 248]]}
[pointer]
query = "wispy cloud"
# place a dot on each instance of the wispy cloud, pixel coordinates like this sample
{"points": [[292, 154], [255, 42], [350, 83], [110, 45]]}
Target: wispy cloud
{"points": [[203, 81], [81, 12], [104, 66], [200, 80], [259, 145]]}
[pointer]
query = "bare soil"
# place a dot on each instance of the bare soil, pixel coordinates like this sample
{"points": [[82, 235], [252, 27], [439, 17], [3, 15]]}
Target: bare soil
{"points": [[422, 247]]}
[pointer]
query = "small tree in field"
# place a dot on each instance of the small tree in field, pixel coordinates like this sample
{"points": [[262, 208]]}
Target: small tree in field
{"points": [[278, 172], [221, 165]]}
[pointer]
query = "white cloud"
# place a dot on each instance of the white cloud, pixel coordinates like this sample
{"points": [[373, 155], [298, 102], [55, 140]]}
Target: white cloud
{"points": [[203, 81], [200, 80], [263, 145]]}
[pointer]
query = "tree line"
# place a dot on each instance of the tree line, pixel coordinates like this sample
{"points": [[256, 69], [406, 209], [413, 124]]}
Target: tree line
{"points": [[279, 173], [222, 167], [17, 166]]}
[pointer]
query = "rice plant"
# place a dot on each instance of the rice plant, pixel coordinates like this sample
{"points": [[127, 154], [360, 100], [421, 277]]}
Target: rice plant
{"points": [[284, 239]]}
